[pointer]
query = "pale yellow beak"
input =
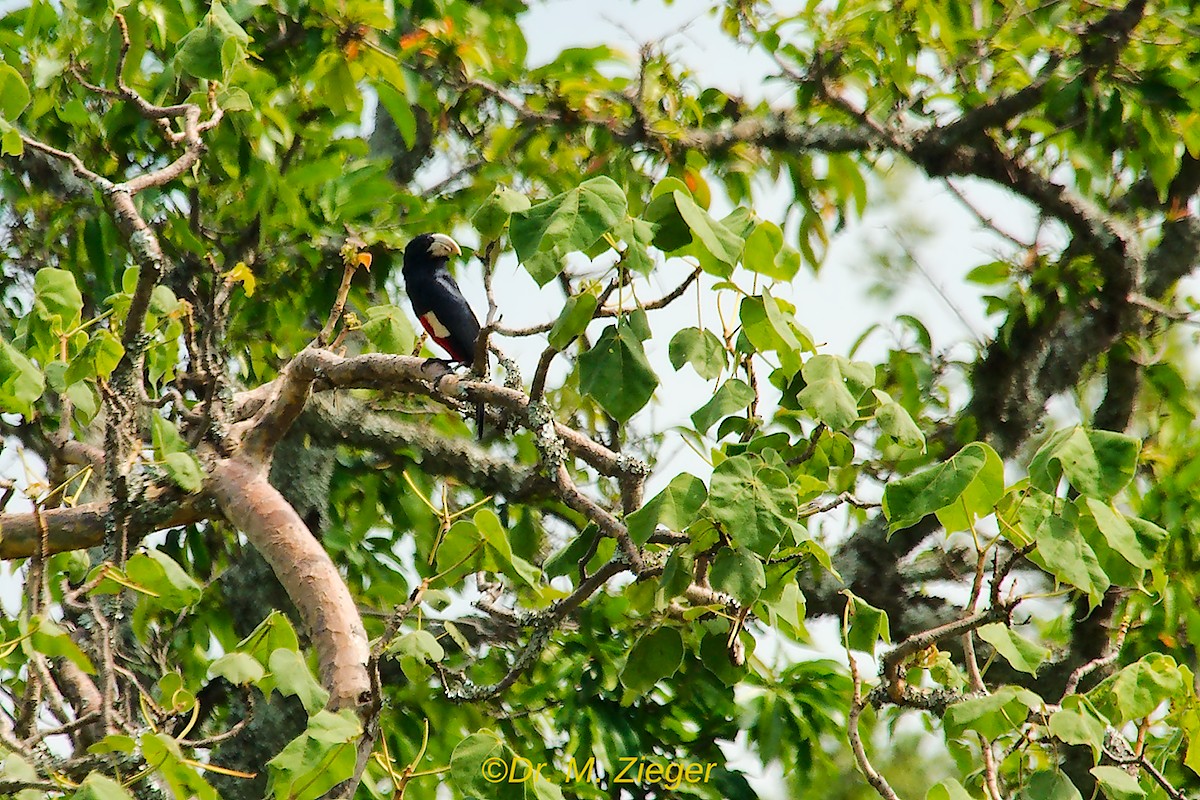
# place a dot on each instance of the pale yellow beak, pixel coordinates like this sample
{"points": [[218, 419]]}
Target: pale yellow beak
{"points": [[443, 246]]}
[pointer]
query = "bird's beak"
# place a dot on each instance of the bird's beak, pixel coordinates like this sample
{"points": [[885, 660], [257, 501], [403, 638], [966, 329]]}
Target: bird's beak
{"points": [[443, 246]]}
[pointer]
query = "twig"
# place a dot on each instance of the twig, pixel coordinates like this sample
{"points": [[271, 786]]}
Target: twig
{"points": [[1175, 315], [480, 363], [351, 265], [985, 220], [544, 625], [813, 508], [237, 728], [893, 659], [857, 704], [813, 439], [990, 778], [1114, 650], [603, 311], [539, 374], [1142, 762], [66, 727]]}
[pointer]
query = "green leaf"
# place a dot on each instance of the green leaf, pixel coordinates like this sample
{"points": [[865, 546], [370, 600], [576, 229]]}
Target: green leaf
{"points": [[896, 423], [100, 787], [237, 668], [566, 560], [972, 477], [11, 143], [98, 358], [1142, 686], [999, 713], [766, 253], [734, 395], [21, 382], [768, 327], [159, 573], [213, 46], [272, 633], [1119, 534], [234, 98], [166, 437], [789, 606], [991, 274], [675, 506], [948, 789], [16, 768], [51, 640], [495, 538], [1023, 654], [638, 235], [400, 110], [319, 758], [57, 298], [719, 241], [755, 504], [655, 656], [14, 94], [420, 645], [573, 320], [616, 373], [114, 743], [388, 330], [868, 625], [1063, 552], [1118, 784], [1077, 723], [714, 655], [572, 221], [492, 217], [979, 498], [671, 232], [182, 779], [455, 552], [740, 573], [185, 470], [700, 348], [828, 395], [1096, 463], [1046, 785], [481, 765], [292, 677]]}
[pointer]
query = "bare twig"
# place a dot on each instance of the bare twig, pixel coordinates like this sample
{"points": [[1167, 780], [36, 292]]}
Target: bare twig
{"points": [[603, 311], [857, 705], [544, 625], [1109, 657], [984, 219], [237, 728], [351, 260]]}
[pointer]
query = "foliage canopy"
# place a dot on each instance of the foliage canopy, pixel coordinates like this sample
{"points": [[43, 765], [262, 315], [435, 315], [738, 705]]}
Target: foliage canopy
{"points": [[206, 347]]}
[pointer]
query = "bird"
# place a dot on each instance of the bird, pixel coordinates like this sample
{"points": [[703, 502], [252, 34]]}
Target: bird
{"points": [[436, 299], [438, 302]]}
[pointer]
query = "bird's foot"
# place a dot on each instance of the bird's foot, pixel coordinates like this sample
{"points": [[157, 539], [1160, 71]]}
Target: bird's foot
{"points": [[435, 368]]}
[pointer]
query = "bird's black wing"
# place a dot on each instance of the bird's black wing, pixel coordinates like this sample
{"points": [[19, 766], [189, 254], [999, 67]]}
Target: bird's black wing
{"points": [[446, 302]]}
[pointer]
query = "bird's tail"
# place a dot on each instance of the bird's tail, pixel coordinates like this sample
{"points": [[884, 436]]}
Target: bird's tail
{"points": [[480, 419]]}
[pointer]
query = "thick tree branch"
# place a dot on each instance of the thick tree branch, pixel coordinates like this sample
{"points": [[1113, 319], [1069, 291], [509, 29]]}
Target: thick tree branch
{"points": [[338, 418], [81, 527], [310, 577]]}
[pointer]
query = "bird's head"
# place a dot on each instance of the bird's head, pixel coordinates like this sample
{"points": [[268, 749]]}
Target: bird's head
{"points": [[430, 249]]}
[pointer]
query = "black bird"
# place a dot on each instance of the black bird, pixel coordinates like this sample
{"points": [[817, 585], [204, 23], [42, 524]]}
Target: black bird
{"points": [[437, 300]]}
